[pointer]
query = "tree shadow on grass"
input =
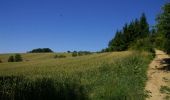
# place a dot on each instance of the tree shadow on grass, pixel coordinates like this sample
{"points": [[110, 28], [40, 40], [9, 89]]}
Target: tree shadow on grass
{"points": [[19, 88]]}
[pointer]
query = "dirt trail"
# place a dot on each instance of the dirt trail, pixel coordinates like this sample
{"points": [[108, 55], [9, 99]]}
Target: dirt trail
{"points": [[156, 74]]}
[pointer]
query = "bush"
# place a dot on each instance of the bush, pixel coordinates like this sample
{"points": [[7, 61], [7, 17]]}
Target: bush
{"points": [[59, 56], [0, 61], [74, 54], [18, 58], [167, 46], [81, 53], [143, 45], [11, 59]]}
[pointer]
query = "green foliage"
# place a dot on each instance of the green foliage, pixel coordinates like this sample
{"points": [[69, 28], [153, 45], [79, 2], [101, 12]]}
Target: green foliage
{"points": [[143, 45], [81, 53], [144, 26], [59, 56], [117, 44], [132, 68], [163, 27], [167, 46], [11, 59], [74, 54], [130, 33], [20, 88], [0, 61], [41, 50], [18, 58]]}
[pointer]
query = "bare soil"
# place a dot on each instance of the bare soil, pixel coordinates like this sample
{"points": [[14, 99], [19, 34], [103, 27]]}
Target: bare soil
{"points": [[158, 75]]}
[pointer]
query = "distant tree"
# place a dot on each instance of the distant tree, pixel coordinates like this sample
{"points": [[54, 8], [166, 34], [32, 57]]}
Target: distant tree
{"points": [[11, 59], [163, 27], [74, 53], [41, 50], [68, 51], [18, 58]]}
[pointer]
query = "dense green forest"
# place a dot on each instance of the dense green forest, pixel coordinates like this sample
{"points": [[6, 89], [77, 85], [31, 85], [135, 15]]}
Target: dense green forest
{"points": [[139, 35], [162, 36]]}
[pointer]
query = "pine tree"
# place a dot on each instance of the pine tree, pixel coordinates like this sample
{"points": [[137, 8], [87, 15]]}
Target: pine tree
{"points": [[137, 28], [163, 26], [130, 33], [144, 26]]}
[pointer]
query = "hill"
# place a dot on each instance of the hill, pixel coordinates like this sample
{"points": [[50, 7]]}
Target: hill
{"points": [[103, 76]]}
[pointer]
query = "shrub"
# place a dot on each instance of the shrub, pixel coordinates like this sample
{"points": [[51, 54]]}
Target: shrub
{"points": [[18, 58], [81, 53], [11, 59], [0, 61], [59, 56], [74, 54], [56, 56], [167, 46], [143, 45]]}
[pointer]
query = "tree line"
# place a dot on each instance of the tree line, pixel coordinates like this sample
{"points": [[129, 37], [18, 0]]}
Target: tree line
{"points": [[130, 33], [138, 35], [41, 50], [162, 36]]}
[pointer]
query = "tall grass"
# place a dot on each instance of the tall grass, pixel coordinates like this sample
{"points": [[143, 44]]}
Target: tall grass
{"points": [[110, 76], [20, 88], [122, 80]]}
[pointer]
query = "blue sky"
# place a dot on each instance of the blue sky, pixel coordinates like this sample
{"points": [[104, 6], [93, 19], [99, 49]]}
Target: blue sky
{"points": [[67, 24]]}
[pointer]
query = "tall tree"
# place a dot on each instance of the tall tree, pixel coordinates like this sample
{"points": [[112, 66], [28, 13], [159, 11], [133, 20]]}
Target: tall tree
{"points": [[163, 26], [130, 33], [144, 26]]}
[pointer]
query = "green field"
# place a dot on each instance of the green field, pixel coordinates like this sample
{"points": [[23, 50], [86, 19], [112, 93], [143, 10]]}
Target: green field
{"points": [[103, 76]]}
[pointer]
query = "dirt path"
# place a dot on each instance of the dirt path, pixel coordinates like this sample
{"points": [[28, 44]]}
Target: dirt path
{"points": [[158, 76]]}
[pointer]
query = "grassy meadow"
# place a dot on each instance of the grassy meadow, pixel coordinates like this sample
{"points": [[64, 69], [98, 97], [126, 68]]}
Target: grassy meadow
{"points": [[103, 76]]}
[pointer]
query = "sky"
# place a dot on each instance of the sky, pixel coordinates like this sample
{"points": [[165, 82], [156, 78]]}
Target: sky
{"points": [[64, 25]]}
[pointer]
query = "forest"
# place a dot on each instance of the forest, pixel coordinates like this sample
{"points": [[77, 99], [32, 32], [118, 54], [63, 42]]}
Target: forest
{"points": [[138, 34]]}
